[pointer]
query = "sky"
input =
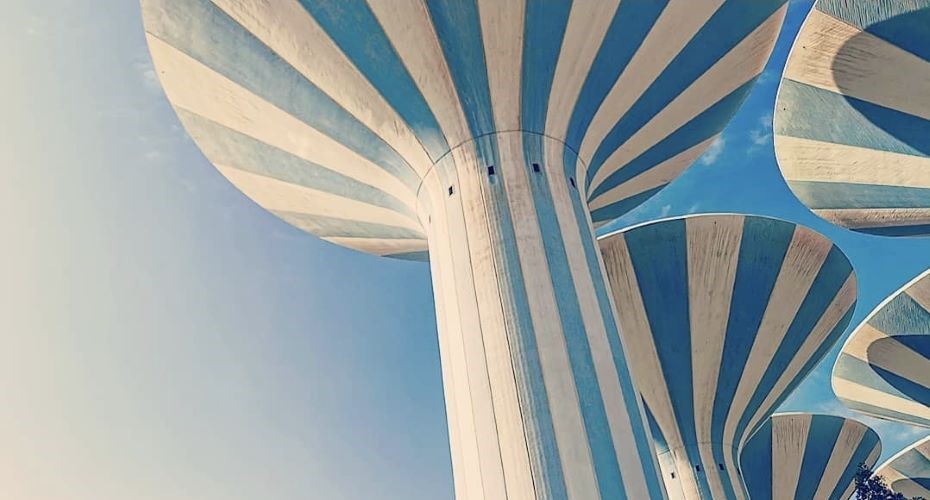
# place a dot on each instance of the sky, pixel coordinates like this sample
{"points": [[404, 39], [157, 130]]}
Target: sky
{"points": [[162, 337]]}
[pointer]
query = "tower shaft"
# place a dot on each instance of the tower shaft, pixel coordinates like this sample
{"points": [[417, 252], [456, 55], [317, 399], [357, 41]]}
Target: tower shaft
{"points": [[538, 393]]}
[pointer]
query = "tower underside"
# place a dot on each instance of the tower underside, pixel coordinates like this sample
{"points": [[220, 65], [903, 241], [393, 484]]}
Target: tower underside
{"points": [[539, 398]]}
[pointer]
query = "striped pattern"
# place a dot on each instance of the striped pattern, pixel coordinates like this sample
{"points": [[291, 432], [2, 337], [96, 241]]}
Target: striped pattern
{"points": [[539, 395], [722, 316], [852, 122], [908, 472], [884, 367], [490, 138], [799, 456], [329, 113]]}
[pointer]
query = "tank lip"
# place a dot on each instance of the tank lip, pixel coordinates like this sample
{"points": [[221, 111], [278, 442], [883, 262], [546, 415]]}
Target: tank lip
{"points": [[855, 331], [897, 455]]}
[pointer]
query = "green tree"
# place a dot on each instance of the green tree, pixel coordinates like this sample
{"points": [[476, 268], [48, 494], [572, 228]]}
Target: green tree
{"points": [[870, 486]]}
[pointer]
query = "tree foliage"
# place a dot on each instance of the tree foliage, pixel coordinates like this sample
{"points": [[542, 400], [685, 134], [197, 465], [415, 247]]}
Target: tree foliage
{"points": [[870, 486]]}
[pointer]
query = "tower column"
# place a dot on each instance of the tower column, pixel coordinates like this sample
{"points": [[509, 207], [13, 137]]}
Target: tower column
{"points": [[538, 393]]}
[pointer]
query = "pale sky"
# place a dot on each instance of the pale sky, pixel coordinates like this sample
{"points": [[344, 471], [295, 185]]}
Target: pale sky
{"points": [[162, 337]]}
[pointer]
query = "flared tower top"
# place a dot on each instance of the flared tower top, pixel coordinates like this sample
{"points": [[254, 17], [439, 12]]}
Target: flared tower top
{"points": [[884, 367], [852, 120], [802, 455], [329, 113], [908, 472], [722, 316]]}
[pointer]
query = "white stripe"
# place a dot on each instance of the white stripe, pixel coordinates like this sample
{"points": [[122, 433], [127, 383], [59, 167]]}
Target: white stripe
{"points": [[819, 161], [656, 176], [502, 33], [276, 195], [920, 293], [643, 358], [900, 360], [864, 336], [618, 418], [408, 26], [836, 56], [584, 33], [739, 65], [855, 392], [787, 453], [290, 31], [855, 218], [675, 27], [847, 442], [803, 260], [193, 87], [494, 301], [455, 381], [550, 343], [844, 300], [713, 256], [486, 314], [471, 369]]}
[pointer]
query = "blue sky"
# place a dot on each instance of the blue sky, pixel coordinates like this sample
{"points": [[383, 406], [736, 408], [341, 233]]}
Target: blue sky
{"points": [[161, 337]]}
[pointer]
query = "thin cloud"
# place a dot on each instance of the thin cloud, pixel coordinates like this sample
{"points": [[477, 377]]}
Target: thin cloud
{"points": [[713, 152]]}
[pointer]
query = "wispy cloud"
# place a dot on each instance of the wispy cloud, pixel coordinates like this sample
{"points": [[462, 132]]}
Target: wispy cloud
{"points": [[142, 65], [761, 136], [713, 152]]}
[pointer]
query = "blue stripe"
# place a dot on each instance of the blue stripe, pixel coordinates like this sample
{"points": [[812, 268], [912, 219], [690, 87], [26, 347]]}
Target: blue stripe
{"points": [[618, 208], [628, 28], [756, 463], [911, 389], [763, 246], [865, 13], [631, 23], [544, 454], [658, 439], [459, 29], [816, 357], [224, 146], [861, 372], [412, 256], [331, 227], [834, 272], [702, 127], [882, 412], [544, 28], [902, 315], [912, 464], [600, 442], [631, 396], [860, 456], [821, 441], [732, 22], [911, 230], [831, 195], [659, 253], [354, 28], [904, 24], [204, 32], [813, 113], [907, 30]]}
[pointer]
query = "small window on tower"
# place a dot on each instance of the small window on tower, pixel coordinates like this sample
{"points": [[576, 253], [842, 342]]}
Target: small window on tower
{"points": [[697, 468], [491, 170], [451, 190], [535, 167], [572, 180]]}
